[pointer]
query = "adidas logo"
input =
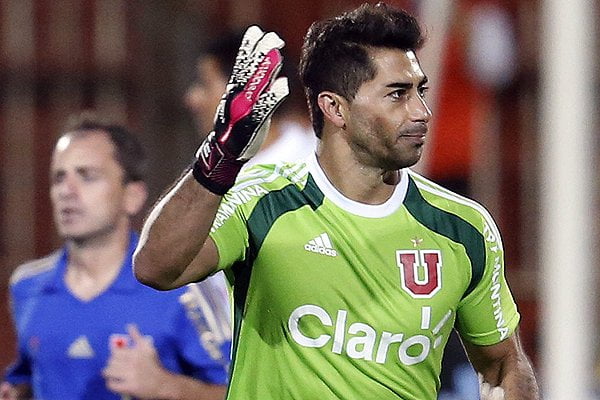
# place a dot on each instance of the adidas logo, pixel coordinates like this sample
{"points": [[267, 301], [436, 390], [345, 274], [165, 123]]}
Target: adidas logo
{"points": [[321, 245], [80, 348]]}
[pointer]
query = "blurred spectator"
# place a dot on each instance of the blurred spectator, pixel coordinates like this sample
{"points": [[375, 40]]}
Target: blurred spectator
{"points": [[87, 329], [478, 61], [290, 137]]}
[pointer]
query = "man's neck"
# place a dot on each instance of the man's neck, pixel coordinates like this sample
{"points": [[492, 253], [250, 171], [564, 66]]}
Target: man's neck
{"points": [[355, 181], [95, 263]]}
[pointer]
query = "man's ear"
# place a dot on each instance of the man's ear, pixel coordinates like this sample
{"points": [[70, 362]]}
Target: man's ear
{"points": [[135, 197], [334, 108]]}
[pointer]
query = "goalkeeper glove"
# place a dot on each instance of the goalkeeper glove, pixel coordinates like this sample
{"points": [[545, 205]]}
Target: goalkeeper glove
{"points": [[489, 392], [243, 116]]}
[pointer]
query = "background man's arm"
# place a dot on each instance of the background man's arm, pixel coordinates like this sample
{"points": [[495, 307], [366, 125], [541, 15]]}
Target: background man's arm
{"points": [[136, 371], [15, 392], [506, 365]]}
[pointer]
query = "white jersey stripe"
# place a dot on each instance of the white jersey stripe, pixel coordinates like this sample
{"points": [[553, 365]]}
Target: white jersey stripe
{"points": [[35, 267], [296, 173], [326, 241], [437, 190]]}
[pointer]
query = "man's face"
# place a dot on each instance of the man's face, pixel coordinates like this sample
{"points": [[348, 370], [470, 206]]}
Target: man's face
{"points": [[87, 190], [205, 93], [387, 121]]}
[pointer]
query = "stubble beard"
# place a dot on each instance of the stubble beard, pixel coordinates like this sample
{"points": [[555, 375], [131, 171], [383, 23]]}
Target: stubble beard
{"points": [[90, 237]]}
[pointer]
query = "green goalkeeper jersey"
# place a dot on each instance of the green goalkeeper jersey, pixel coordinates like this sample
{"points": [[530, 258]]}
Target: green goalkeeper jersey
{"points": [[336, 299]]}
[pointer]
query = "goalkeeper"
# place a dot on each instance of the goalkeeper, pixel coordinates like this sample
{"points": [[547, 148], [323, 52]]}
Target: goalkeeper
{"points": [[349, 270]]}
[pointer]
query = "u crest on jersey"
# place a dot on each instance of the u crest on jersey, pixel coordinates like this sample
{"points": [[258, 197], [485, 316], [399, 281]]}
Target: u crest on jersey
{"points": [[420, 271]]}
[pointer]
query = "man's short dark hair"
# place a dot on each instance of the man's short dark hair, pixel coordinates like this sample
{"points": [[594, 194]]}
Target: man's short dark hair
{"points": [[335, 53], [224, 48], [129, 152]]}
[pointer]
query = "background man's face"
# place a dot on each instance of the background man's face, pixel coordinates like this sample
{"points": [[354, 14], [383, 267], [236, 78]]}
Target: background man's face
{"points": [[203, 96], [87, 186]]}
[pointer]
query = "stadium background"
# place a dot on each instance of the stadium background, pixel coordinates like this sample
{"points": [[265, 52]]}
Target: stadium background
{"points": [[134, 60]]}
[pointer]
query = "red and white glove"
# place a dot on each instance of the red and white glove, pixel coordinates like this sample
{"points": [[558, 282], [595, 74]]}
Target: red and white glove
{"points": [[243, 115]]}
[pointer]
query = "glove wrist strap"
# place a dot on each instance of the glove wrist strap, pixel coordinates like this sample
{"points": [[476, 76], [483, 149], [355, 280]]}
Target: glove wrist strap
{"points": [[220, 178]]}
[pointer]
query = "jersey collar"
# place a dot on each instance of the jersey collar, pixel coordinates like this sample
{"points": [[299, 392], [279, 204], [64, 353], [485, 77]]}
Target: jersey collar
{"points": [[125, 281], [354, 207]]}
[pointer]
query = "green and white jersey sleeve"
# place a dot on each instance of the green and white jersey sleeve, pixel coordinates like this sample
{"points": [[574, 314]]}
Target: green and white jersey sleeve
{"points": [[335, 299], [488, 294], [230, 229]]}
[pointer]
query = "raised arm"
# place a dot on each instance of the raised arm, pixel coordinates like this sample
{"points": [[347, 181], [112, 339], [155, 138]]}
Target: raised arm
{"points": [[505, 365], [174, 247], [172, 251]]}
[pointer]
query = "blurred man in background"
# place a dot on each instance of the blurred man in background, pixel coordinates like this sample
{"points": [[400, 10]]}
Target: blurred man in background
{"points": [[290, 137], [86, 328]]}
